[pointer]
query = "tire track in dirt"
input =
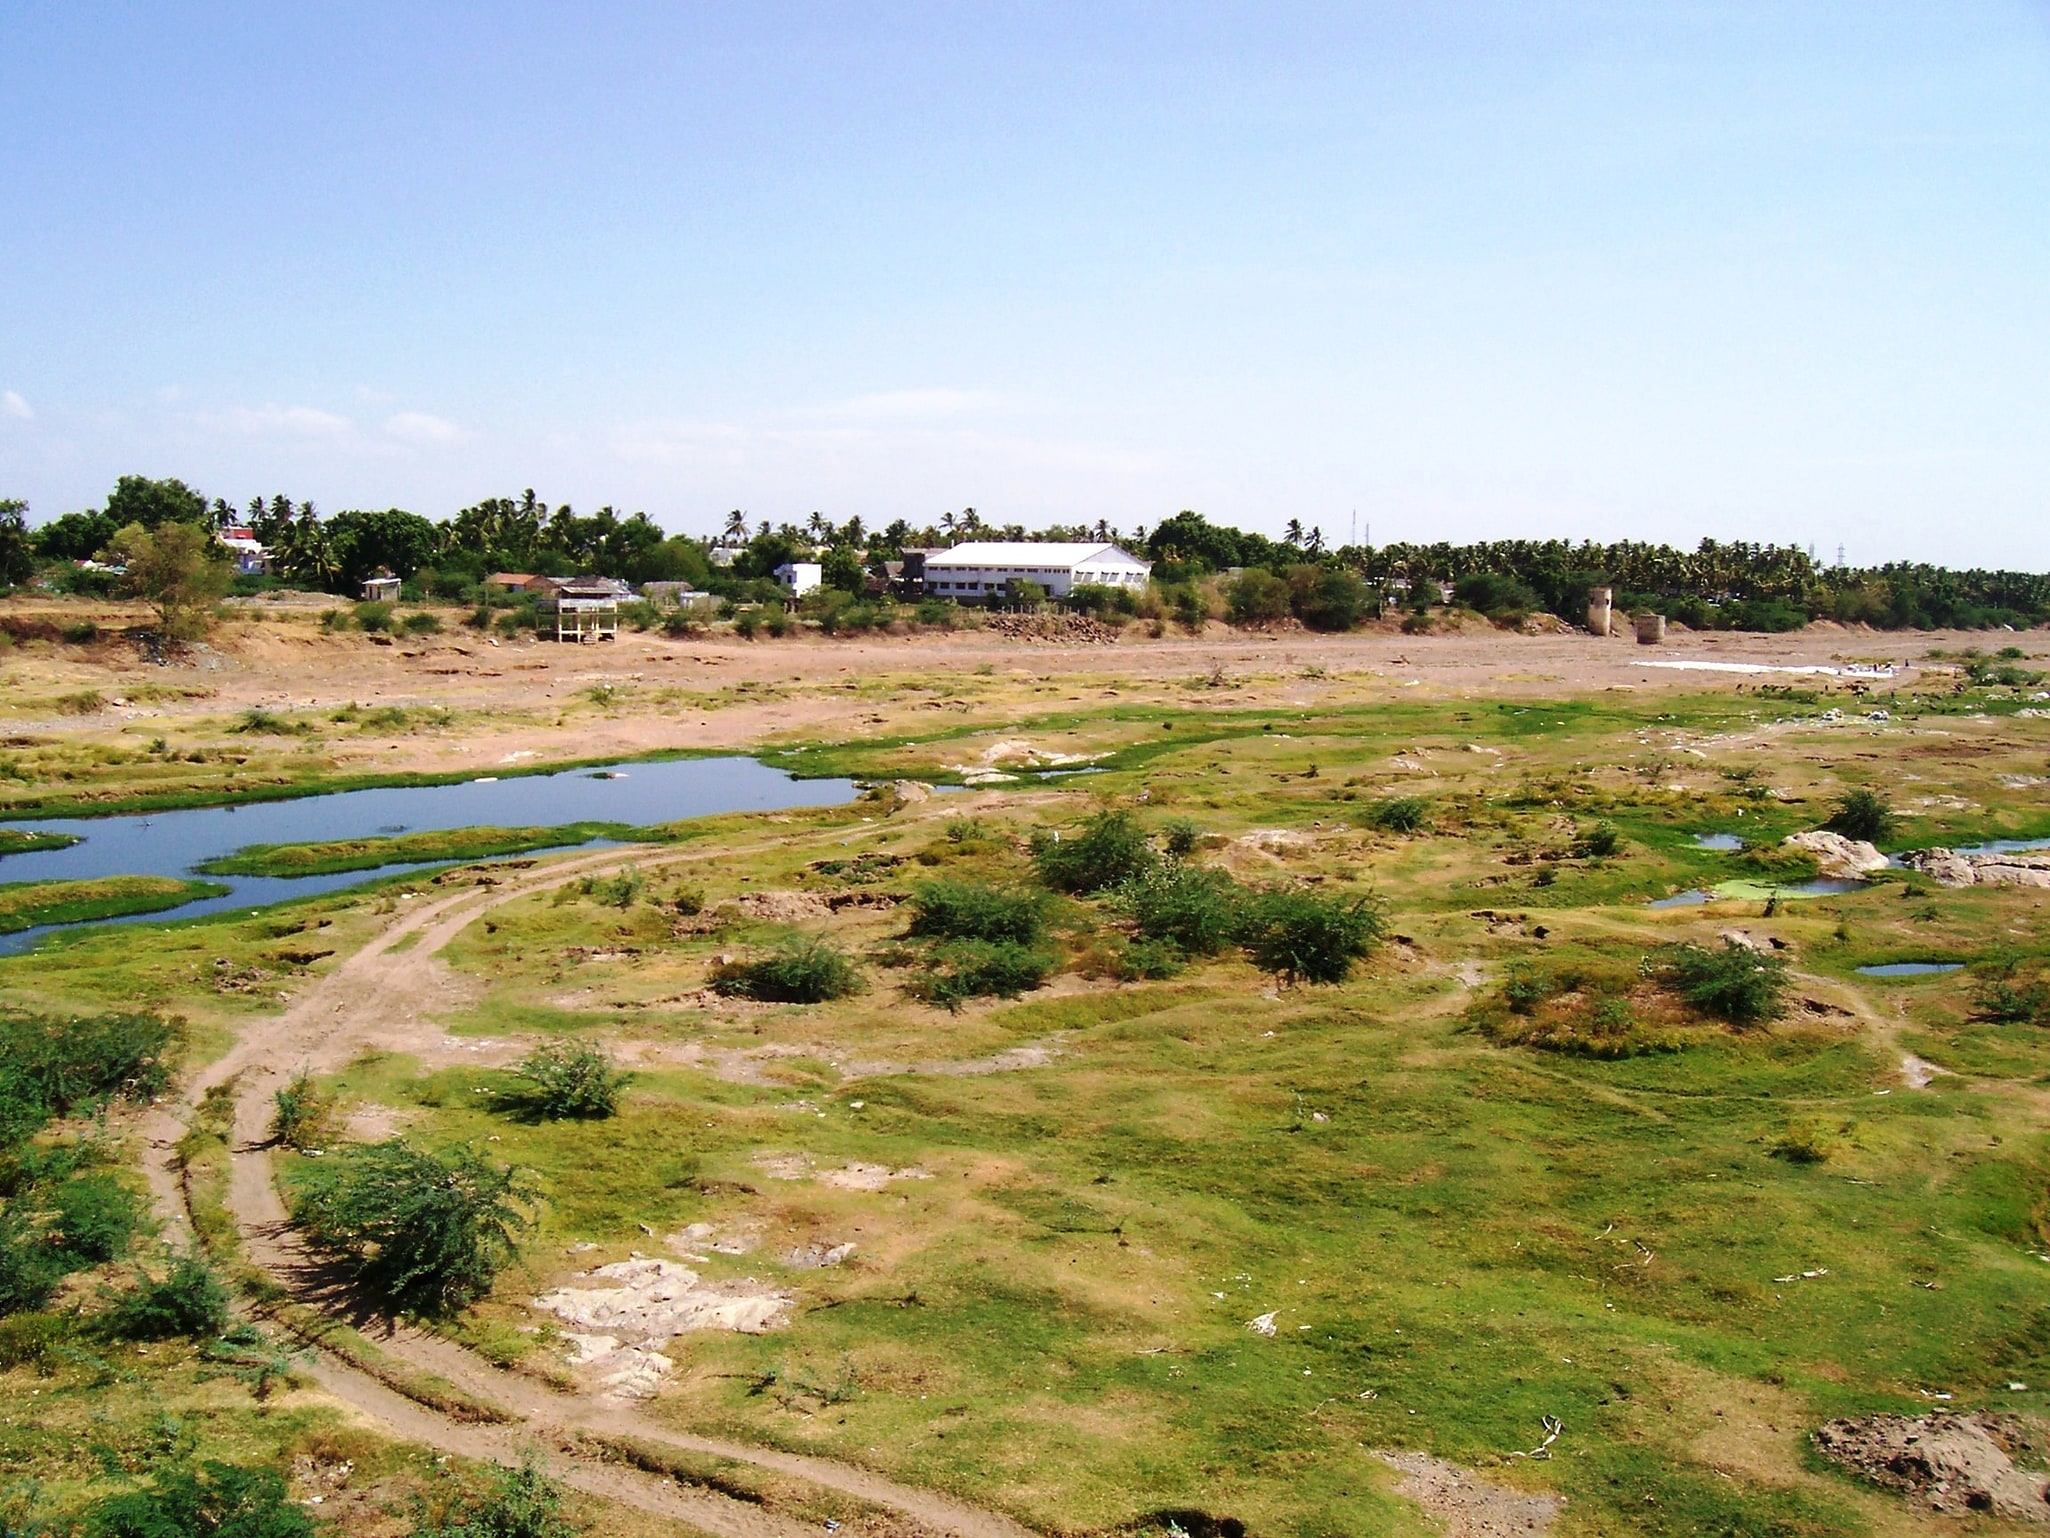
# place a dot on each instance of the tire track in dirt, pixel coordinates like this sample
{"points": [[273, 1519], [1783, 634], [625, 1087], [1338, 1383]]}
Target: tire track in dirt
{"points": [[322, 1029]]}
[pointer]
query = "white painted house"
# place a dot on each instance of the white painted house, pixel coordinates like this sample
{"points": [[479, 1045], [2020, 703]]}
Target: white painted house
{"points": [[972, 573], [801, 577]]}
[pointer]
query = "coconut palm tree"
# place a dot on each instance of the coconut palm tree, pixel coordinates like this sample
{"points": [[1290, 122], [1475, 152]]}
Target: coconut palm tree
{"points": [[735, 532]]}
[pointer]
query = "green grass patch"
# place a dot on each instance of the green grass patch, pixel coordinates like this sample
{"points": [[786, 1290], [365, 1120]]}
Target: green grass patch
{"points": [[30, 904], [452, 844], [27, 841]]}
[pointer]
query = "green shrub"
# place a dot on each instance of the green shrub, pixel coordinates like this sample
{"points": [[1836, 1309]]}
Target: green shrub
{"points": [[1194, 908], [1179, 838], [2004, 993], [1862, 814], [1733, 983], [1110, 850], [257, 721], [188, 1300], [66, 1064], [801, 972], [1400, 814], [1301, 937], [1523, 989], [980, 969], [522, 1503], [420, 1231], [1148, 961], [1804, 1142], [34, 1340], [423, 623], [95, 1218], [29, 1271], [966, 910], [564, 1080], [1598, 842], [372, 616], [1256, 597], [184, 1500], [301, 1116]]}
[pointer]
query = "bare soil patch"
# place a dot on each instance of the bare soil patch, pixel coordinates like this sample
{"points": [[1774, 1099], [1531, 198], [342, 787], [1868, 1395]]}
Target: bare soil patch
{"points": [[1950, 1463], [1467, 1505]]}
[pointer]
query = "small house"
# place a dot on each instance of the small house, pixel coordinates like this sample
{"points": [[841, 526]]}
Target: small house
{"points": [[251, 559], [801, 577], [382, 589], [511, 582]]}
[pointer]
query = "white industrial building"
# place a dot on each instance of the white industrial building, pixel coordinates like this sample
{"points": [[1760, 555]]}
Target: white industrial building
{"points": [[973, 573]]}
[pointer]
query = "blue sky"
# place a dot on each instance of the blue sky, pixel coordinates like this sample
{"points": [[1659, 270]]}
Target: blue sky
{"points": [[1656, 270]]}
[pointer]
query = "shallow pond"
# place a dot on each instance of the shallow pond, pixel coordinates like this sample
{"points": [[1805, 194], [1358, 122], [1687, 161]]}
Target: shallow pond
{"points": [[1756, 891], [1725, 842], [172, 843], [1911, 968]]}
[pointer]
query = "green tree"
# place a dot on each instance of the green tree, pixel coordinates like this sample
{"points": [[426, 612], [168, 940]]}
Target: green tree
{"points": [[1257, 597], [421, 1232], [75, 536], [1733, 983], [564, 1079], [180, 569], [841, 568], [17, 548], [152, 504], [366, 543], [1327, 597]]}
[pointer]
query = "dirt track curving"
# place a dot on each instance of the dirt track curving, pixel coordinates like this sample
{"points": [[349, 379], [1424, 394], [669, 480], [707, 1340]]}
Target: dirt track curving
{"points": [[385, 988]]}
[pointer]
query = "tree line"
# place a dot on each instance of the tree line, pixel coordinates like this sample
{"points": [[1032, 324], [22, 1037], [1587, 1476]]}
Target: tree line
{"points": [[1717, 585]]}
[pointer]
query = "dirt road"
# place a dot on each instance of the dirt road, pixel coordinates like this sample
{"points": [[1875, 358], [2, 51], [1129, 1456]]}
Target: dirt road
{"points": [[392, 983]]}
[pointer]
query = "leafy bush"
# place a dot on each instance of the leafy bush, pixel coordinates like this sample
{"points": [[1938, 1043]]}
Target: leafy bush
{"points": [[1178, 837], [570, 1079], [980, 969], [420, 1231], [1400, 814], [373, 616], [1804, 1142], [1862, 814], [1327, 597], [29, 1272], [189, 1300], [95, 1219], [1733, 983], [1149, 961], [215, 1499], [802, 972], [1194, 908], [1256, 597], [65, 1064], [1598, 842], [301, 1116], [522, 1503], [34, 1340], [965, 910], [1502, 599], [1110, 850], [423, 623], [2004, 993], [1302, 937]]}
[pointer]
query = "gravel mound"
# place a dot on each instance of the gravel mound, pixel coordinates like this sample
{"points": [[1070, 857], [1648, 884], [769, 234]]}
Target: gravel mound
{"points": [[1951, 1462]]}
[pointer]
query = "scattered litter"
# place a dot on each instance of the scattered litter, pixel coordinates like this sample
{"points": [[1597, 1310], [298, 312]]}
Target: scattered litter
{"points": [[1804, 1276], [1264, 1325], [1543, 1451]]}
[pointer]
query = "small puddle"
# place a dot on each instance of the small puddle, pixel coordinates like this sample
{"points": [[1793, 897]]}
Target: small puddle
{"points": [[1758, 891], [1722, 842], [1911, 969]]}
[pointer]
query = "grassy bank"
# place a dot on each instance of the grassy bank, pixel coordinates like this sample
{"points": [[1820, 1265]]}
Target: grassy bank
{"points": [[30, 904], [24, 841], [452, 844]]}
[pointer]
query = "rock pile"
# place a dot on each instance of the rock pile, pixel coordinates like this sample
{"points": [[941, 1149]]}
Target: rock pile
{"points": [[1057, 626], [1947, 867]]}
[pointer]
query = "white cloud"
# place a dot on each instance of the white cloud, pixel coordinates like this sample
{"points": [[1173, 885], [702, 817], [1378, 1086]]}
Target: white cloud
{"points": [[417, 427], [273, 421], [12, 405]]}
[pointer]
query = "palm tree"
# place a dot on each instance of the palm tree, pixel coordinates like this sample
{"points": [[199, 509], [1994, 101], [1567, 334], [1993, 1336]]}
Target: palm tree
{"points": [[736, 528], [816, 527], [1315, 543], [1293, 534]]}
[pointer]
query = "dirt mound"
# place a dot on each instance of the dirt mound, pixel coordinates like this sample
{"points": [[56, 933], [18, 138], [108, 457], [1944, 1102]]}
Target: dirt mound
{"points": [[780, 907], [1467, 1505], [1071, 628], [1951, 1462]]}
